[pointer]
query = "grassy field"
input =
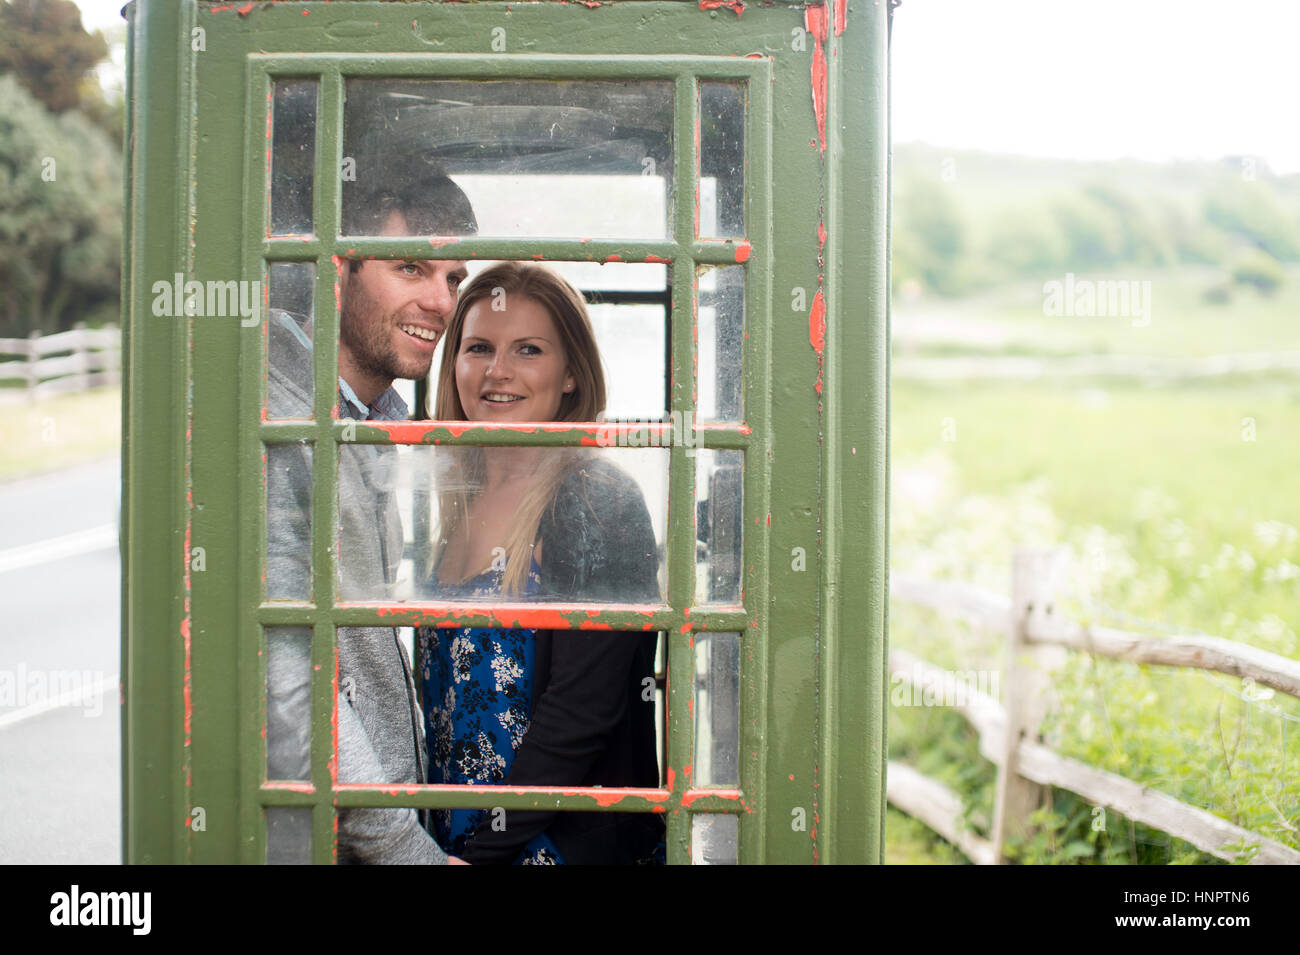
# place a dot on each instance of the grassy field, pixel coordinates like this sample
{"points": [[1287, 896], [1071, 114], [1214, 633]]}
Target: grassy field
{"points": [[59, 432], [1177, 504], [1178, 323]]}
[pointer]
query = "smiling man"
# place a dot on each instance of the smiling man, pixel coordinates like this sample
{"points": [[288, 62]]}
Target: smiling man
{"points": [[392, 314]]}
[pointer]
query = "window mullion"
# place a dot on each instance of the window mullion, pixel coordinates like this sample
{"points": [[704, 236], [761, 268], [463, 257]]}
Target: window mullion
{"points": [[324, 655]]}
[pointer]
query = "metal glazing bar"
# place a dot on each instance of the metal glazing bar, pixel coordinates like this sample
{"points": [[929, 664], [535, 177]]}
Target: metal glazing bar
{"points": [[662, 251], [681, 472], [612, 617], [534, 66], [757, 395], [252, 471], [625, 434], [582, 799], [324, 651]]}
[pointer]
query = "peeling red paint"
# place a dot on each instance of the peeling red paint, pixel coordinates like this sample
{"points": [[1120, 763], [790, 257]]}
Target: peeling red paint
{"points": [[769, 524], [743, 249], [599, 796], [439, 241], [599, 434], [658, 259], [821, 237], [736, 6], [243, 11], [572, 617], [692, 796], [841, 15], [817, 335], [817, 323], [814, 19], [613, 257]]}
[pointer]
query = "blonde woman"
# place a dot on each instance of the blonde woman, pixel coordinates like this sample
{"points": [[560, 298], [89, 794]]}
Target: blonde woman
{"points": [[537, 707]]}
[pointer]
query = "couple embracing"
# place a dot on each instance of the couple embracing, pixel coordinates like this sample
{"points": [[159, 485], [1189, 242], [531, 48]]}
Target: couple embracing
{"points": [[514, 707]]}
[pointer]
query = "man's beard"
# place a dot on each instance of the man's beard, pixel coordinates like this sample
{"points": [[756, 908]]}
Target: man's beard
{"points": [[367, 332]]}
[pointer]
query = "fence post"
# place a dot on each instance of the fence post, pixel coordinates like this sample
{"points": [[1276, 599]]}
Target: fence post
{"points": [[81, 349], [1024, 687], [33, 356]]}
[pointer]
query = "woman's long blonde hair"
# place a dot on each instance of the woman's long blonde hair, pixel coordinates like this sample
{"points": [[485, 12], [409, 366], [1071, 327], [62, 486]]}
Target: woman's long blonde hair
{"points": [[463, 479]]}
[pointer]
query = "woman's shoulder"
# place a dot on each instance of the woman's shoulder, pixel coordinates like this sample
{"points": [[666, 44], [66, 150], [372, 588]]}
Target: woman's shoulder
{"points": [[598, 486]]}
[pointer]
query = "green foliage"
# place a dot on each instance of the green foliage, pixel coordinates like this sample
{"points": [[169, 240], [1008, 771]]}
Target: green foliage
{"points": [[997, 218], [1260, 271], [45, 45], [1172, 510], [1026, 241], [933, 243], [60, 216], [1257, 213]]}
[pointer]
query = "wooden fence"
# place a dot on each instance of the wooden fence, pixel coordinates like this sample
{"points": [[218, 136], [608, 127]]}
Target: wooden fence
{"points": [[1008, 731], [1054, 367], [55, 364]]}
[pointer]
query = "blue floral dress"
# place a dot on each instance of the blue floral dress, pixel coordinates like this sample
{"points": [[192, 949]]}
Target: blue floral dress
{"points": [[477, 696]]}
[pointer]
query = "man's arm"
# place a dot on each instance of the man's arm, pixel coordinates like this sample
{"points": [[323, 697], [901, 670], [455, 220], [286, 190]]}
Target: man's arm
{"points": [[385, 836]]}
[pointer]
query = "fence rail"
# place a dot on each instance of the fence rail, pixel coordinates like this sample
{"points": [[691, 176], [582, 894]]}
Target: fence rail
{"points": [[68, 361], [1008, 733], [1034, 368]]}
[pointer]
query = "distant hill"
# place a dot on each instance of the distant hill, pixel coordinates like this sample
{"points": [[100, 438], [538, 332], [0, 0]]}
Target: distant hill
{"points": [[965, 220]]}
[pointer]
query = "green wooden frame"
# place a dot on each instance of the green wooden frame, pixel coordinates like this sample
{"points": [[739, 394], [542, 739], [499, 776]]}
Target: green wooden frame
{"points": [[814, 437]]}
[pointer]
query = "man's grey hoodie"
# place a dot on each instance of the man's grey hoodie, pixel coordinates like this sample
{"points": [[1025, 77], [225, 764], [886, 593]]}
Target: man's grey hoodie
{"points": [[380, 728]]}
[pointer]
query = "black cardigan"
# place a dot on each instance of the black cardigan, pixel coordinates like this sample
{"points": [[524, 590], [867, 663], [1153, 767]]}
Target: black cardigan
{"points": [[592, 720]]}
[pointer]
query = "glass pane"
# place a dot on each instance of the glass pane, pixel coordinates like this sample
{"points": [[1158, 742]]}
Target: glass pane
{"points": [[715, 839], [559, 708], [288, 835], [717, 709], [505, 524], [293, 156], [573, 158], [722, 160], [288, 521], [628, 304], [290, 385], [288, 703], [718, 526], [721, 343]]}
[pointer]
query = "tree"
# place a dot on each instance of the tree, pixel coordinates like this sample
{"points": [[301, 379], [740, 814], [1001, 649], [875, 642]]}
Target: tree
{"points": [[44, 44], [1256, 212], [929, 237], [60, 216]]}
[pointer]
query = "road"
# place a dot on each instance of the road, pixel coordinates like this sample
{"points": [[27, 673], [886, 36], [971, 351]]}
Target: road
{"points": [[60, 744]]}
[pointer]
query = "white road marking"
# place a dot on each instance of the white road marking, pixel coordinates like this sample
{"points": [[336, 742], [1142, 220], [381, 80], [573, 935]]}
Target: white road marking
{"points": [[56, 548], [76, 697]]}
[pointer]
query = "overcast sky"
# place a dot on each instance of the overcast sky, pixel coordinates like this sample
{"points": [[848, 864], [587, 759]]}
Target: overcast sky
{"points": [[1102, 79], [1085, 79]]}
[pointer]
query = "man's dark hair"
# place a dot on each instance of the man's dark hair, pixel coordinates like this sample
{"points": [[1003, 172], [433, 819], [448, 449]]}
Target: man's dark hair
{"points": [[431, 206]]}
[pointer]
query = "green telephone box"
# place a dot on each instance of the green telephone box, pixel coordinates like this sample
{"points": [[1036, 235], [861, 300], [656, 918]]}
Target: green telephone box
{"points": [[714, 177]]}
